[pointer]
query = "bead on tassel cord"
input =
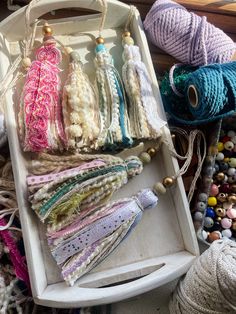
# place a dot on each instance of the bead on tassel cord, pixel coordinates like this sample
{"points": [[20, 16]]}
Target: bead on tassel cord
{"points": [[80, 107], [145, 122], [40, 116]]}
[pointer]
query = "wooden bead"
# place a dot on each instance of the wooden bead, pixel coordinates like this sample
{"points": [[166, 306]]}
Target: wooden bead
{"points": [[68, 50], [47, 30], [100, 40], [151, 151], [221, 212], [233, 188], [222, 197], [220, 176], [232, 198], [159, 188], [145, 158], [26, 62], [215, 235], [128, 41], [168, 182], [212, 201], [233, 226], [126, 34]]}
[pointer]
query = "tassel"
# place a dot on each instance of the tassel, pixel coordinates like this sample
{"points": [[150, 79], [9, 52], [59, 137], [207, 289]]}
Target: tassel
{"points": [[18, 261], [80, 107], [81, 246], [115, 132], [145, 122], [40, 116], [76, 191]]}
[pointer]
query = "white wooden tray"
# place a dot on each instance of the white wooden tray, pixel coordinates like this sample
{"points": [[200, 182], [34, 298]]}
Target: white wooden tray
{"points": [[163, 246]]}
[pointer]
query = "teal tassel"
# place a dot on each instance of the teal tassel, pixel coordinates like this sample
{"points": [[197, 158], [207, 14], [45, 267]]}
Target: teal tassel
{"points": [[115, 132]]}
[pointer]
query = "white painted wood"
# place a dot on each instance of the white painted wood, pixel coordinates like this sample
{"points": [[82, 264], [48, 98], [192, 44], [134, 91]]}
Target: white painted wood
{"points": [[153, 302], [163, 246]]}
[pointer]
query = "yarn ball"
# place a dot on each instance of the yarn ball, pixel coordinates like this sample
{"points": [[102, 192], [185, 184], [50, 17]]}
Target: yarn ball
{"points": [[214, 93], [174, 102], [186, 36], [210, 284]]}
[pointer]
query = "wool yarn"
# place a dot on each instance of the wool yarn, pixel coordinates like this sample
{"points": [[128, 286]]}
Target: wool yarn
{"points": [[40, 114], [145, 122], [187, 37], [80, 107], [77, 190], [3, 133], [214, 93], [115, 127], [210, 284], [87, 241]]}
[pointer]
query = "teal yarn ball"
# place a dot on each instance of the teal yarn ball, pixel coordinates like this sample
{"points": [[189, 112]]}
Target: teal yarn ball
{"points": [[209, 93]]}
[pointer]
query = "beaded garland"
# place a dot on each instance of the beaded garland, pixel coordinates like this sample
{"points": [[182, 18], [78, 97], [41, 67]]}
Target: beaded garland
{"points": [[217, 212]]}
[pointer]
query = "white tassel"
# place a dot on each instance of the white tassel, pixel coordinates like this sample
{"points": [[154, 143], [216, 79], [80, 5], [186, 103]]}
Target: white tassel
{"points": [[144, 119], [80, 108]]}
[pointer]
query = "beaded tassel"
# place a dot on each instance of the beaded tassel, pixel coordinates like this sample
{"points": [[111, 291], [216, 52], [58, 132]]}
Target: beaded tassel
{"points": [[145, 122], [80, 107], [40, 116], [84, 244], [115, 131], [77, 190]]}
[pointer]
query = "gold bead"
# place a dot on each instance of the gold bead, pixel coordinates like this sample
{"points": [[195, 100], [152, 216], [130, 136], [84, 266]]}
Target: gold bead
{"points": [[100, 40], [218, 219], [221, 212], [220, 176], [222, 197], [151, 151], [168, 181], [47, 30], [126, 34], [232, 198]]}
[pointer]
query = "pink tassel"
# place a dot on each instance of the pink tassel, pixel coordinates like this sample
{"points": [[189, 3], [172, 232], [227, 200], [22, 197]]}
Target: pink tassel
{"points": [[16, 258], [42, 127]]}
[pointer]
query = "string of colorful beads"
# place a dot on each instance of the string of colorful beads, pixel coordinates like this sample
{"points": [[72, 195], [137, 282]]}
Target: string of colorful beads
{"points": [[217, 212]]}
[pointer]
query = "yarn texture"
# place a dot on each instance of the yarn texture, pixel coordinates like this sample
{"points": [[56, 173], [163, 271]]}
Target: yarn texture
{"points": [[210, 284], [215, 89], [186, 36]]}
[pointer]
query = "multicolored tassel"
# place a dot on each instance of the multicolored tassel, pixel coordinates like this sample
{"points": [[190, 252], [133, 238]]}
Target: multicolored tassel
{"points": [[59, 198], [80, 107], [40, 115], [115, 130], [145, 122], [86, 242]]}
